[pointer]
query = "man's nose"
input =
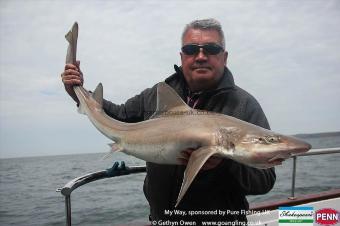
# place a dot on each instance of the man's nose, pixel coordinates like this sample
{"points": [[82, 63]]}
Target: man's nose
{"points": [[201, 56]]}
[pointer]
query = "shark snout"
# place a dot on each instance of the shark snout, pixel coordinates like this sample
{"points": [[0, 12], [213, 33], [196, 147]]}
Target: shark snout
{"points": [[296, 146], [303, 148]]}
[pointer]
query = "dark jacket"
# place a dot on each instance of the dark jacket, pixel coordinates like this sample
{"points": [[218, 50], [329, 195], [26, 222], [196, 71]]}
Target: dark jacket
{"points": [[222, 188]]}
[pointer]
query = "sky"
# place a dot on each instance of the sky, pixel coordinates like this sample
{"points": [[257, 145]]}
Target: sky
{"points": [[285, 53]]}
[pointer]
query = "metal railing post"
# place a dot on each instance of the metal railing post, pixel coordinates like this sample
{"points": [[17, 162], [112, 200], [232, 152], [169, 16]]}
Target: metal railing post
{"points": [[293, 178], [68, 210]]}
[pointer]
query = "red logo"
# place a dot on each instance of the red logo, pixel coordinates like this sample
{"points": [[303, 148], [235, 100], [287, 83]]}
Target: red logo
{"points": [[327, 216]]}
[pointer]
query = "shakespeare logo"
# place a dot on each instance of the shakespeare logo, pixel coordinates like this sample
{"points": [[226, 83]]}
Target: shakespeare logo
{"points": [[327, 216], [296, 215]]}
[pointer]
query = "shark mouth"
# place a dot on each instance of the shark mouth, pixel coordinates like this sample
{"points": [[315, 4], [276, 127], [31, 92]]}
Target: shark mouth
{"points": [[280, 158]]}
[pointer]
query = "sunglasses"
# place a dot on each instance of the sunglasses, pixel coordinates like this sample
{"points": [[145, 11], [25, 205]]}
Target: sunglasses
{"points": [[210, 49]]}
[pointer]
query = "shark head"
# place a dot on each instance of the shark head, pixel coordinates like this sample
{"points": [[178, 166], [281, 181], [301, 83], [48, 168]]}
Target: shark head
{"points": [[267, 149], [260, 148]]}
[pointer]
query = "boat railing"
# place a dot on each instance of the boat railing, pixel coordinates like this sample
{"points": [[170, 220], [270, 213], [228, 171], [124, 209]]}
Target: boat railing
{"points": [[320, 151], [122, 170], [115, 171]]}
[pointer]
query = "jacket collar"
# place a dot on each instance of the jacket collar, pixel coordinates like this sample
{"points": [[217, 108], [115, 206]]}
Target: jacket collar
{"points": [[227, 81]]}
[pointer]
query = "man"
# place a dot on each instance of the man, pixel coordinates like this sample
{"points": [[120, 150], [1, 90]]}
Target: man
{"points": [[204, 82]]}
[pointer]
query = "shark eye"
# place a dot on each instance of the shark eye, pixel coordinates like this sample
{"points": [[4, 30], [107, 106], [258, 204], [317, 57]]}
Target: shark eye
{"points": [[273, 139], [262, 140], [268, 139]]}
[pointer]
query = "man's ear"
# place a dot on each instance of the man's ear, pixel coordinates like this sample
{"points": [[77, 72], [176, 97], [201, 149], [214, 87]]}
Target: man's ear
{"points": [[180, 53], [225, 55]]}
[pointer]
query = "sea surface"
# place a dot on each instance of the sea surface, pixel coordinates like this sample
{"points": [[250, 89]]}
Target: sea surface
{"points": [[28, 186]]}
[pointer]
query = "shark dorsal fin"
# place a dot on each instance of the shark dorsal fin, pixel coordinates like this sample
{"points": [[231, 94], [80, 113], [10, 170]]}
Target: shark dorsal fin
{"points": [[168, 101], [98, 94]]}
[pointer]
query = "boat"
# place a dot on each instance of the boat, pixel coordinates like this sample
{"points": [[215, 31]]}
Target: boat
{"points": [[261, 214]]}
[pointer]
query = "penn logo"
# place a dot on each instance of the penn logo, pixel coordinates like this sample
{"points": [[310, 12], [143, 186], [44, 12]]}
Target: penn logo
{"points": [[327, 216]]}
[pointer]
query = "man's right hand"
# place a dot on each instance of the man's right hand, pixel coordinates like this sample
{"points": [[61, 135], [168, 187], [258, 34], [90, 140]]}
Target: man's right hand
{"points": [[72, 76]]}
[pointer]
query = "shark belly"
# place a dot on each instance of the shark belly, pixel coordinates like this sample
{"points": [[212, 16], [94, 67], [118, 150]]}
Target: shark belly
{"points": [[156, 153], [162, 143]]}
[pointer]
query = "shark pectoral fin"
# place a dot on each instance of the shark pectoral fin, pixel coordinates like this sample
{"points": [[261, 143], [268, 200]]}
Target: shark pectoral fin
{"points": [[196, 161]]}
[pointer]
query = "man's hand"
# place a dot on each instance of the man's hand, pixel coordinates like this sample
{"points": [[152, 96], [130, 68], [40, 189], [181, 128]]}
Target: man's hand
{"points": [[211, 163], [72, 76]]}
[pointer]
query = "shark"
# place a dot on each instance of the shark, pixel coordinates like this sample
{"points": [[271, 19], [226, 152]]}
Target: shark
{"points": [[175, 127]]}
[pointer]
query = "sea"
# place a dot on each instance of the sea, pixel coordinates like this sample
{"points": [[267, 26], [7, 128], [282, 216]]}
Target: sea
{"points": [[28, 186]]}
